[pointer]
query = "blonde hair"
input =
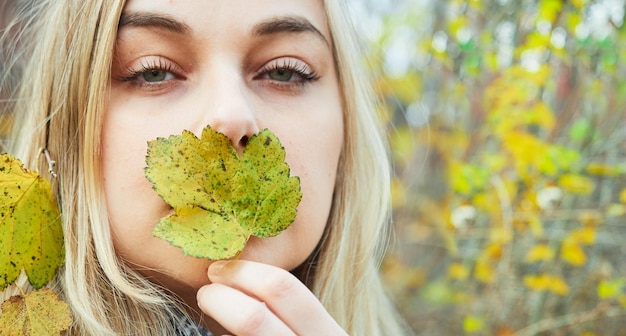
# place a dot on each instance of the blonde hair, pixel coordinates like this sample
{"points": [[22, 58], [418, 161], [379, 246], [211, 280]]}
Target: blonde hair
{"points": [[60, 106]]}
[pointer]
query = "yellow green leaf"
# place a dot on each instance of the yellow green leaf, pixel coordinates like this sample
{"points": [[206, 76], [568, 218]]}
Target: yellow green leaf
{"points": [[536, 282], [31, 236], [576, 184], [603, 170], [484, 272], [39, 313], [610, 289], [473, 324], [616, 210], [219, 198], [572, 253], [558, 286], [540, 252], [583, 236], [622, 195], [549, 9], [546, 282], [458, 271]]}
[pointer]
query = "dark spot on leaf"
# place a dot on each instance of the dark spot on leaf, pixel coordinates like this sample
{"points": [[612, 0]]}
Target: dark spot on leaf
{"points": [[268, 140]]}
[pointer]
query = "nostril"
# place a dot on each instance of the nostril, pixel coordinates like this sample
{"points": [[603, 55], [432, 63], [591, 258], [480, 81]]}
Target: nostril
{"points": [[243, 141]]}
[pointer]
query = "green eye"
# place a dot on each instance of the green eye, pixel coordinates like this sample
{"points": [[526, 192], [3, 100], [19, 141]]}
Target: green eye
{"points": [[154, 75], [281, 75]]}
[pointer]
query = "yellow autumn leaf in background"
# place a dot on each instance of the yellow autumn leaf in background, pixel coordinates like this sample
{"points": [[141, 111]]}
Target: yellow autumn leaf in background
{"points": [[527, 150], [591, 218], [540, 114], [536, 226], [611, 289], [398, 193], [405, 88], [459, 23], [458, 271], [559, 286], [498, 237], [484, 272], [576, 184], [492, 252], [546, 282], [473, 324], [572, 253], [583, 235], [537, 282], [549, 10], [579, 4], [603, 170], [622, 195], [537, 40], [540, 252]]}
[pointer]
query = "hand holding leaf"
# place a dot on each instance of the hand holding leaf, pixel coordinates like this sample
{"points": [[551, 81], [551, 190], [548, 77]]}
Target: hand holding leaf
{"points": [[220, 199]]}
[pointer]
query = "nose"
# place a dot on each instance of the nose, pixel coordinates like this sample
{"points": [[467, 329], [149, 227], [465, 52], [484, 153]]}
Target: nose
{"points": [[229, 107]]}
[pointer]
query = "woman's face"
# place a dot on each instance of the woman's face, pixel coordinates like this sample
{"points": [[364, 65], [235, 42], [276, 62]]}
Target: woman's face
{"points": [[239, 66]]}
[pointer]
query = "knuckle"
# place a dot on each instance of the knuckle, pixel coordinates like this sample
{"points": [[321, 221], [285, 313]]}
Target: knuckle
{"points": [[254, 317], [280, 284]]}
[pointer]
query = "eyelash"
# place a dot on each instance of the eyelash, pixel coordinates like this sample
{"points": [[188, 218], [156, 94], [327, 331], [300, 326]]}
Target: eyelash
{"points": [[306, 74], [132, 75], [301, 69]]}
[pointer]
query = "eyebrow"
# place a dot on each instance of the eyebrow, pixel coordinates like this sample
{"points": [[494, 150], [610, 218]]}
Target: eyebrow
{"points": [[278, 25], [147, 19], [287, 24]]}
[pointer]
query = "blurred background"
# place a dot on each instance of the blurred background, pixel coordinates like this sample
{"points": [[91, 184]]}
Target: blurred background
{"points": [[507, 126]]}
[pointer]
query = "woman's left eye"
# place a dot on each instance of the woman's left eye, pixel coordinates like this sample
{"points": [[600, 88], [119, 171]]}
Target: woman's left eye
{"points": [[281, 75], [156, 75], [287, 71]]}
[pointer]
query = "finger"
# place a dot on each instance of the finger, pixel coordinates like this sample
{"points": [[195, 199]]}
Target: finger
{"points": [[282, 292], [239, 313]]}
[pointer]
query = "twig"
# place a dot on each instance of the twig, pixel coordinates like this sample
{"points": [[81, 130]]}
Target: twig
{"points": [[602, 309]]}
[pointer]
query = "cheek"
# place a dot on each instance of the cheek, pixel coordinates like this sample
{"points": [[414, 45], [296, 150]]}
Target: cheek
{"points": [[315, 162], [132, 206]]}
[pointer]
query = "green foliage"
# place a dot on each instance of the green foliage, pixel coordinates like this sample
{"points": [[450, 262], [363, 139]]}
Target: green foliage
{"points": [[510, 185], [220, 200]]}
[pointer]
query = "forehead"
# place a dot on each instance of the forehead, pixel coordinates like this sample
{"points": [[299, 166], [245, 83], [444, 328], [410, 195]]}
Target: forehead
{"points": [[219, 17]]}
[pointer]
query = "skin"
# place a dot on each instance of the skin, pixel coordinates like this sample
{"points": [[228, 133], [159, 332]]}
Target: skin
{"points": [[185, 64]]}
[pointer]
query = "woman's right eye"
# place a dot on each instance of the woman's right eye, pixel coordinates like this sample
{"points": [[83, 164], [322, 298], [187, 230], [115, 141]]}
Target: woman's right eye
{"points": [[152, 72], [156, 75]]}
